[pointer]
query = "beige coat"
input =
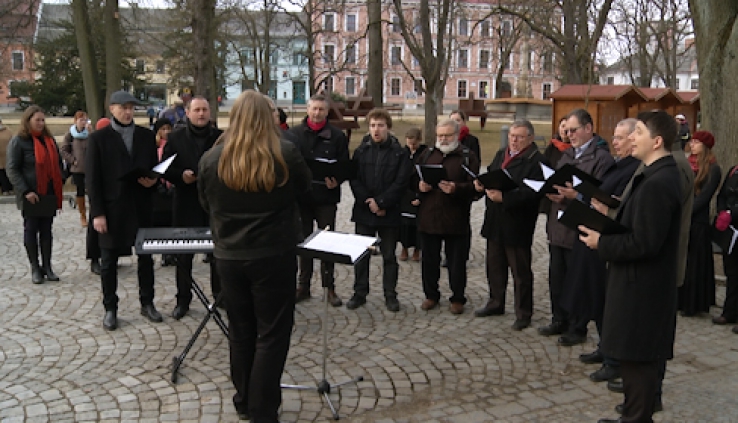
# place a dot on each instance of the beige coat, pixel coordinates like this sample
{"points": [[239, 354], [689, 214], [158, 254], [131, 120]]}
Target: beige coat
{"points": [[5, 137]]}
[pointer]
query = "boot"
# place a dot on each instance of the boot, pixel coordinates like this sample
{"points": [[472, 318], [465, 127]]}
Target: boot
{"points": [[46, 260], [37, 276], [82, 211], [403, 254]]}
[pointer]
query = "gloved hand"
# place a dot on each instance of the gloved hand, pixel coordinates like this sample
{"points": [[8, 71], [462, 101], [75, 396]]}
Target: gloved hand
{"points": [[723, 220]]}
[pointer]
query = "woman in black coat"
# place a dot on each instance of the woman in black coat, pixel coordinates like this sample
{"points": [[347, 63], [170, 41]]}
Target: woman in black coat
{"points": [[34, 169], [411, 200], [727, 207], [698, 292]]}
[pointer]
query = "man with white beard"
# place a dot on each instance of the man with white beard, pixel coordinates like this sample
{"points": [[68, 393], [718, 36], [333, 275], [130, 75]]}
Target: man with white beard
{"points": [[443, 216]]}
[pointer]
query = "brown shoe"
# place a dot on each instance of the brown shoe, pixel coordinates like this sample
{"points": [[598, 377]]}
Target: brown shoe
{"points": [[333, 299], [721, 320], [416, 255], [302, 294], [456, 308], [428, 304], [403, 255]]}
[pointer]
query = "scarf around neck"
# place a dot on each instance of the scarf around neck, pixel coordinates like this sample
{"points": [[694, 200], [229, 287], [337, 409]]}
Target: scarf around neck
{"points": [[47, 166], [463, 132], [316, 126], [77, 134]]}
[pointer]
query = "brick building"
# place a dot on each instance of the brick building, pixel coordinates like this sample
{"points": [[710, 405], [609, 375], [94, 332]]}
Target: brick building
{"points": [[18, 22]]}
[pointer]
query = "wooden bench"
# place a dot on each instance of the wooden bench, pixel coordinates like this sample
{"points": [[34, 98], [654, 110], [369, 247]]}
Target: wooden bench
{"points": [[474, 107]]}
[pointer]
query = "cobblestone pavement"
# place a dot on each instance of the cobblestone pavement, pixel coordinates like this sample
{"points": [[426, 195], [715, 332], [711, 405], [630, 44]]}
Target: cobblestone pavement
{"points": [[57, 363]]}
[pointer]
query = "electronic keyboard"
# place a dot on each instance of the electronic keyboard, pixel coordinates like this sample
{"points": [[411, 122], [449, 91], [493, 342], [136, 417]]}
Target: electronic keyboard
{"points": [[174, 241]]}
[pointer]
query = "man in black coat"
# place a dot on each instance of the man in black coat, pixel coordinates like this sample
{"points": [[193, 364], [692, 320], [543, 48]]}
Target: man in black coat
{"points": [[189, 143], [509, 223], [383, 174], [640, 306], [318, 139], [120, 202]]}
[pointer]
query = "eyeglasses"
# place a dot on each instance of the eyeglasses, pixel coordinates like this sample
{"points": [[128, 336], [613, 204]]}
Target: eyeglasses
{"points": [[572, 130]]}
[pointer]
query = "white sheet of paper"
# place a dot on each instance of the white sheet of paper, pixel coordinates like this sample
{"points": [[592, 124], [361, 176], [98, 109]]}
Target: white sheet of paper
{"points": [[733, 239], [577, 181], [163, 166], [533, 184], [547, 171], [334, 242], [559, 214]]}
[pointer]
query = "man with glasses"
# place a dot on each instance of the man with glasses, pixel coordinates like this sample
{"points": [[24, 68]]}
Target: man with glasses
{"points": [[443, 216], [591, 154], [509, 223]]}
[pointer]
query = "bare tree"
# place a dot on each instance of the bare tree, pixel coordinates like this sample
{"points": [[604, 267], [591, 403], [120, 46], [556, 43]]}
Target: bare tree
{"points": [[88, 61], [375, 71], [203, 42], [113, 56]]}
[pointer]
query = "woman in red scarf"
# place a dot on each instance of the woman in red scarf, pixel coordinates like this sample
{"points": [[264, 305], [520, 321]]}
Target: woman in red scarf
{"points": [[34, 168], [698, 292]]}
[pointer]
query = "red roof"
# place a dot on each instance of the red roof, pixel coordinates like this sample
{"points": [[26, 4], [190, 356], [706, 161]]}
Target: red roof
{"points": [[689, 96], [596, 92]]}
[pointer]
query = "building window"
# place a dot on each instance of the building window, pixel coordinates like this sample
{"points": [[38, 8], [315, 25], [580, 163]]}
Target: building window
{"points": [[506, 29], [395, 55], [416, 62], [247, 56], [329, 22], [350, 85], [351, 54], [507, 63], [160, 66], [485, 29], [140, 66], [547, 62], [328, 84], [298, 59], [329, 54], [546, 91], [483, 89], [461, 89], [483, 59], [395, 86], [417, 28], [247, 84], [418, 87], [463, 61], [18, 62], [695, 84], [396, 24], [677, 83], [350, 23], [610, 80], [274, 57], [463, 26]]}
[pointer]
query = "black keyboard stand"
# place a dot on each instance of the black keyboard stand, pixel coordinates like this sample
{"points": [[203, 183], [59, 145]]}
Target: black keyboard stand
{"points": [[212, 311]]}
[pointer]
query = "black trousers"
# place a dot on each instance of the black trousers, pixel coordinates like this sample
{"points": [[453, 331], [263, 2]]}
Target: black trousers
{"points": [[259, 297], [730, 307], [183, 276], [558, 264], [36, 229], [388, 243], [79, 182], [324, 216], [5, 184], [640, 381], [109, 278], [519, 260], [456, 254]]}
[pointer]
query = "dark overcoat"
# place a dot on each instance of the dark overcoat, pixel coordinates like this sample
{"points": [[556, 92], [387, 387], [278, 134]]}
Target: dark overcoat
{"points": [[513, 221], [186, 209], [640, 309], [126, 204]]}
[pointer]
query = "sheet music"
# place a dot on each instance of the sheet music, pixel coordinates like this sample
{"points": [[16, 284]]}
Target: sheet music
{"points": [[547, 171], [732, 239], [576, 181], [533, 184], [163, 166], [347, 244]]}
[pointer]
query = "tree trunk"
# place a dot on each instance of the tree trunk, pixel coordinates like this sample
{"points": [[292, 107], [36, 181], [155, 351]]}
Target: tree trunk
{"points": [[203, 20], [716, 35], [113, 57], [375, 69], [88, 64]]}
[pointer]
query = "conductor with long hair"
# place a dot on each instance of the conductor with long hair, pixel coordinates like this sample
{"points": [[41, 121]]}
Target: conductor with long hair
{"points": [[249, 184]]}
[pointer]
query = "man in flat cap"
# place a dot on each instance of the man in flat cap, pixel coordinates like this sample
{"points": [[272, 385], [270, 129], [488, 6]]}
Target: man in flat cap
{"points": [[121, 204]]}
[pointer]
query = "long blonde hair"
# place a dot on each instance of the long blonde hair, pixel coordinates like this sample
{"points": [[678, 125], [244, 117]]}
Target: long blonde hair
{"points": [[252, 147]]}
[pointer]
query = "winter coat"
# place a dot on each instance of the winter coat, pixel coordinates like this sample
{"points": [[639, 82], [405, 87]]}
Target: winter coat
{"points": [[73, 152], [5, 137], [21, 167]]}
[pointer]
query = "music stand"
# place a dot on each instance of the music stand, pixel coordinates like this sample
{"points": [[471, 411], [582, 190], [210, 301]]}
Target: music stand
{"points": [[338, 248]]}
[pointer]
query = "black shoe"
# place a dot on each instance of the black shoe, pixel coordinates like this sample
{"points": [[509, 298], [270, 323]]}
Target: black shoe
{"points": [[334, 299], [95, 266], [208, 258], [657, 406], [570, 339], [110, 321], [355, 302], [392, 304], [37, 276], [521, 324], [592, 358], [244, 415], [46, 261], [616, 385], [168, 260], [608, 421], [302, 293], [149, 312], [489, 310], [555, 328], [180, 311], [605, 373]]}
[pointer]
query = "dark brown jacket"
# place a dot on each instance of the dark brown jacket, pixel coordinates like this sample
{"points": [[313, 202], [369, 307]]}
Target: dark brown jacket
{"points": [[73, 151]]}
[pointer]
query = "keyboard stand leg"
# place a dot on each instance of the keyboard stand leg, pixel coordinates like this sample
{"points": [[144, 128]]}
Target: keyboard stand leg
{"points": [[212, 311]]}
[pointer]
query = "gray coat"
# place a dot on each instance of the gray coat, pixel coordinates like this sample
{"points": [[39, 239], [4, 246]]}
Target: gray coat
{"points": [[21, 167]]}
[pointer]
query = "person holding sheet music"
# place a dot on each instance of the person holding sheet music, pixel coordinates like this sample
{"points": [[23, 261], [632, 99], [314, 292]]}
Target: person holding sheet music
{"points": [[318, 139], [34, 169], [119, 206], [589, 153], [509, 223], [383, 175], [727, 208], [411, 201], [443, 216], [249, 184]]}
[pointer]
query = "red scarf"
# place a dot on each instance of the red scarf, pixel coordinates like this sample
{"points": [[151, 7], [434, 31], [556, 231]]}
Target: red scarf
{"points": [[284, 126], [560, 145], [316, 127], [463, 132], [509, 158], [47, 166], [695, 165]]}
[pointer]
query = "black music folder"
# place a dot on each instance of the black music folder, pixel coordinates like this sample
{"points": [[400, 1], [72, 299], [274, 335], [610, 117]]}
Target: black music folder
{"points": [[590, 190], [578, 213], [498, 179], [155, 173], [336, 247], [560, 177], [342, 170], [725, 239], [431, 174], [44, 207]]}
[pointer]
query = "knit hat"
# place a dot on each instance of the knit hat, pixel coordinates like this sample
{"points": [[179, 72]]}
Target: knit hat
{"points": [[102, 123], [680, 117], [161, 123], [705, 137]]}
